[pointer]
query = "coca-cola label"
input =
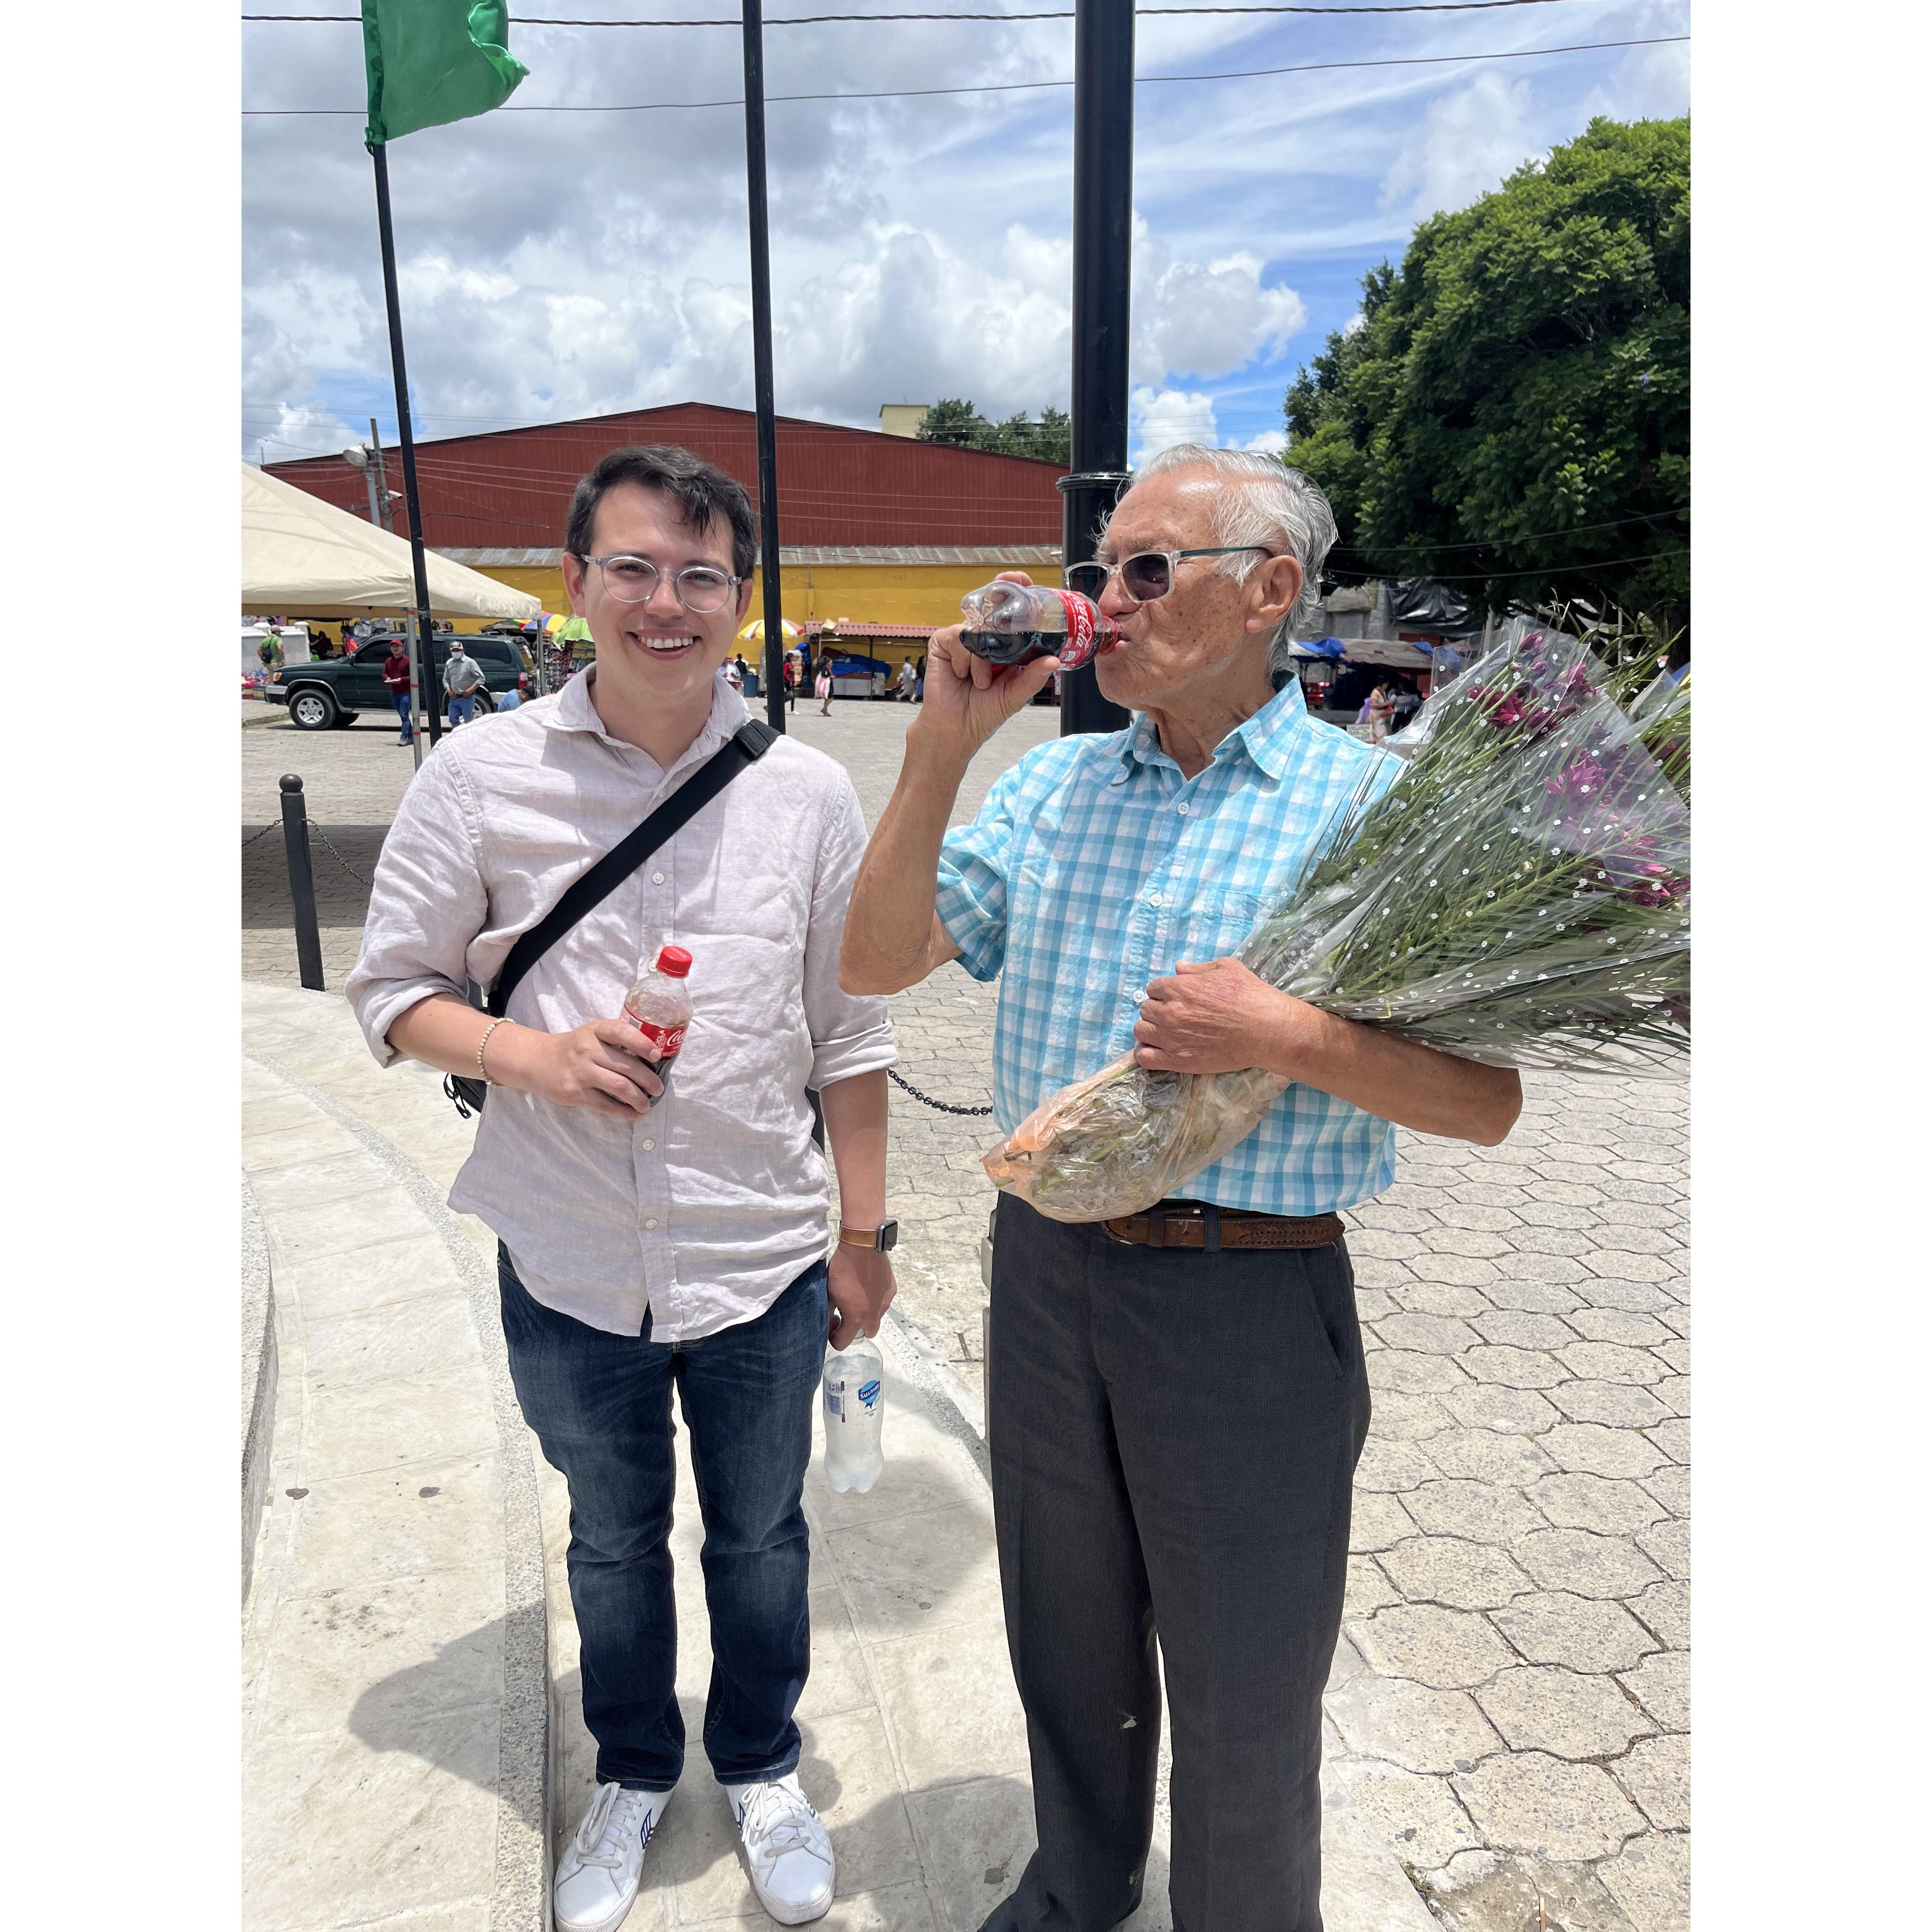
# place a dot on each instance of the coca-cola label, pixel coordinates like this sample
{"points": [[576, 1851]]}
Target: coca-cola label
{"points": [[668, 1039], [1081, 631]]}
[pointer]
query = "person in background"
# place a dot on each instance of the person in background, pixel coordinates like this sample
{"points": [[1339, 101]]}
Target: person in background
{"points": [[824, 686], [908, 677], [791, 680], [462, 679], [734, 674], [1407, 703], [1381, 709], [919, 682], [743, 670], [269, 650], [396, 681]]}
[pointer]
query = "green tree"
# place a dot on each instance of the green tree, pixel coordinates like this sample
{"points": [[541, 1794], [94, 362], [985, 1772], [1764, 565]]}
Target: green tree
{"points": [[1511, 413], [954, 421], [951, 420]]}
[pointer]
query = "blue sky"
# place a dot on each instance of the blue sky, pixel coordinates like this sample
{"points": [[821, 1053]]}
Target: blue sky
{"points": [[562, 265]]}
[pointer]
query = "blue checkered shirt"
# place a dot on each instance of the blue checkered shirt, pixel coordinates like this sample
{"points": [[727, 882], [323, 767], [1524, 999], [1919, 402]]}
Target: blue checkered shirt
{"points": [[1095, 866]]}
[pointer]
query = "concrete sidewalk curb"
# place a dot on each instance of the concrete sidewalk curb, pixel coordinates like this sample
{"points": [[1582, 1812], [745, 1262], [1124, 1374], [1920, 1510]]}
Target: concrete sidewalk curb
{"points": [[522, 1899], [954, 1407], [260, 1367]]}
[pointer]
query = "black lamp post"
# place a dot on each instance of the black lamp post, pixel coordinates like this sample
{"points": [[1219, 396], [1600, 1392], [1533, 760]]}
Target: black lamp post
{"points": [[1103, 203]]}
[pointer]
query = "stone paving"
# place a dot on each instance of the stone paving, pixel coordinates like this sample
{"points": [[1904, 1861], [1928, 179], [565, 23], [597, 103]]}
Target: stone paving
{"points": [[1511, 1696]]}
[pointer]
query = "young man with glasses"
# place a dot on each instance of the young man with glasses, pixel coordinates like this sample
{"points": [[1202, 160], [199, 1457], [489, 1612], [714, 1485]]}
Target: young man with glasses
{"points": [[1176, 1400], [657, 1230]]}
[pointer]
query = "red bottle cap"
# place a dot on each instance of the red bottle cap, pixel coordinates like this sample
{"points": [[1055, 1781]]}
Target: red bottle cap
{"points": [[675, 960]]}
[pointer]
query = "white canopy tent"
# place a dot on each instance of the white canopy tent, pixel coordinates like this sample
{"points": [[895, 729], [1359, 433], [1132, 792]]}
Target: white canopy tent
{"points": [[305, 556]]}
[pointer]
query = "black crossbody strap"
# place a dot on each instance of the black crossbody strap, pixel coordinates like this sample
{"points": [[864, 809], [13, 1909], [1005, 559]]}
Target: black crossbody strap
{"points": [[748, 744]]}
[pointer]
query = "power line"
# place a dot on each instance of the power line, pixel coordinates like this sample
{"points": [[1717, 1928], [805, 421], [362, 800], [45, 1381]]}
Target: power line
{"points": [[1503, 543], [1551, 569], [1031, 86], [830, 19]]}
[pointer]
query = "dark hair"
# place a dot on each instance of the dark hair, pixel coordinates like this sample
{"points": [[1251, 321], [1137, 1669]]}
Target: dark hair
{"points": [[703, 493]]}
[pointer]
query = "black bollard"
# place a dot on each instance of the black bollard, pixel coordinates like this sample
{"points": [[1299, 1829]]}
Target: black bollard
{"points": [[301, 883]]}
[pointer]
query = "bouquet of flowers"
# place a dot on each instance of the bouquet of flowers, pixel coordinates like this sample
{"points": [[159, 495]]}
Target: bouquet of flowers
{"points": [[1519, 894]]}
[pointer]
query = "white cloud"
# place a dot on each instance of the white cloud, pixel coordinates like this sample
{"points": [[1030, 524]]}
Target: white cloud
{"points": [[1269, 442], [565, 265], [1204, 320], [1469, 141], [1159, 418]]}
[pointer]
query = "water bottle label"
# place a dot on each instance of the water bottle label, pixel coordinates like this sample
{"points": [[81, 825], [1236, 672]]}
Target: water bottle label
{"points": [[835, 1403], [868, 1395], [1080, 629]]}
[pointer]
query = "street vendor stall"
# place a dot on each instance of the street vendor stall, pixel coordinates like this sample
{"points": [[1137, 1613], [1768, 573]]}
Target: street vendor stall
{"points": [[301, 555]]}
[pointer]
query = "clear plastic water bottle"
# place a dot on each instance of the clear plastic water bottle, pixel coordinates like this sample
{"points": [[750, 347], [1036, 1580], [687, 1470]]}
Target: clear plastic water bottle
{"points": [[659, 1006], [853, 1394], [1014, 623]]}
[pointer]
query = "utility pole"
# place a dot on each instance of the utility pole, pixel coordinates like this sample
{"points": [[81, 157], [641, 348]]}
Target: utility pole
{"points": [[1103, 205], [388, 520], [769, 566], [358, 458]]}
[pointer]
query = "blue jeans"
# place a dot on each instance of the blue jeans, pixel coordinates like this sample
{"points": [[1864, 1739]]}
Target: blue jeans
{"points": [[462, 709], [601, 1406], [401, 700]]}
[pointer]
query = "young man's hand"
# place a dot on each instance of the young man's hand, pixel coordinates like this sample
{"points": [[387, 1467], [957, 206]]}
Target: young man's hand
{"points": [[859, 1285], [604, 1065]]}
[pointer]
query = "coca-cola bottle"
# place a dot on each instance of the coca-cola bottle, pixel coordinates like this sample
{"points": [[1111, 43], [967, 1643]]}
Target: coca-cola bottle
{"points": [[1014, 623], [659, 1006]]}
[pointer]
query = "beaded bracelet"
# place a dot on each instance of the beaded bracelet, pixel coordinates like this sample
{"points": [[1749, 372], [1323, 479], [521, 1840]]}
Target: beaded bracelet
{"points": [[481, 1074]]}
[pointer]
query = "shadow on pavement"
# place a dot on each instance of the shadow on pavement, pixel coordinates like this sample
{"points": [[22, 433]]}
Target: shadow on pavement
{"points": [[407, 1711]]}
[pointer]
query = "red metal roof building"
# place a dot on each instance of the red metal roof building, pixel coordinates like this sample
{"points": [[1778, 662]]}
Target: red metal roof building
{"points": [[850, 489]]}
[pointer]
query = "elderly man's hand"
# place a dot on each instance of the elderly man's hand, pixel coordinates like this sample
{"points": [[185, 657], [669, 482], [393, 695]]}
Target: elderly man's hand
{"points": [[1215, 1016], [967, 699]]}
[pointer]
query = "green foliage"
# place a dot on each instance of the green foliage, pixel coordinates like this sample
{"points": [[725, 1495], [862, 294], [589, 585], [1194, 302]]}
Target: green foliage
{"points": [[1526, 370], [954, 421]]}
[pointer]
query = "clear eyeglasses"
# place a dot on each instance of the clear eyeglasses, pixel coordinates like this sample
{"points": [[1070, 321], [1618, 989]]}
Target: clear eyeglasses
{"points": [[1146, 575], [634, 580]]}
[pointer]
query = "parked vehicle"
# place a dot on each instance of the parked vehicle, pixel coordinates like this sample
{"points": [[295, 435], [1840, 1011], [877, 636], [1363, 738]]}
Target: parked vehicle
{"points": [[331, 692]]}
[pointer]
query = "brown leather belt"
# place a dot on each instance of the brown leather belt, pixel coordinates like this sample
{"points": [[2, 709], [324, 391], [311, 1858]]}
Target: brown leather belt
{"points": [[1198, 1224]]}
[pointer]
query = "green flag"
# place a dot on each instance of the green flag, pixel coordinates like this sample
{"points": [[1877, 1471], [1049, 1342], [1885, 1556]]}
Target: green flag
{"points": [[433, 61]]}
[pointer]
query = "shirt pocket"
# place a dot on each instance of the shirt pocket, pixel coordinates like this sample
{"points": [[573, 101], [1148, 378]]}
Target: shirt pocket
{"points": [[1215, 920]]}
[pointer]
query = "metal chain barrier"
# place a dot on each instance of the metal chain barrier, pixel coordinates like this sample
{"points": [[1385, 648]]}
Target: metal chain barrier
{"points": [[938, 1106], [260, 832], [338, 856]]}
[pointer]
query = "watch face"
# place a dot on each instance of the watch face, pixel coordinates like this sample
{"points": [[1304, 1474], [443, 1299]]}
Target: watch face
{"points": [[889, 1237]]}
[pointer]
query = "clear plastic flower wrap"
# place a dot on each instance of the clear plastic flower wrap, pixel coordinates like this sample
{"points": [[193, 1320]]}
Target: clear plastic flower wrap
{"points": [[1519, 895]]}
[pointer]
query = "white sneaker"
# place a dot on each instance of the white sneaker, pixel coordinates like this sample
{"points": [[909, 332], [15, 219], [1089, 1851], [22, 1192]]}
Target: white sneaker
{"points": [[786, 1850], [597, 1876]]}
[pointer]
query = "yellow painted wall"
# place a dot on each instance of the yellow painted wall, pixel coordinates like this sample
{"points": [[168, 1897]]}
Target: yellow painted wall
{"points": [[867, 593]]}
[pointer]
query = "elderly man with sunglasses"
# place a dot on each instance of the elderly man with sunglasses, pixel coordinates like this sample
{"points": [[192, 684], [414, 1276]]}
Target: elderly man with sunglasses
{"points": [[1177, 1401], [659, 1229]]}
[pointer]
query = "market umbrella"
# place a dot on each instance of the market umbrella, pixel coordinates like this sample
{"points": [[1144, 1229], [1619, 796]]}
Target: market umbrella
{"points": [[755, 632]]}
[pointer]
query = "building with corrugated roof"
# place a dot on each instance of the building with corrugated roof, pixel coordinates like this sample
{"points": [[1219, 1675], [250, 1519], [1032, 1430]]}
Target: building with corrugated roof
{"points": [[873, 528]]}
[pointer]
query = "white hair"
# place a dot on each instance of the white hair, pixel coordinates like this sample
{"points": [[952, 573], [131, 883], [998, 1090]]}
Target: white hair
{"points": [[1276, 507]]}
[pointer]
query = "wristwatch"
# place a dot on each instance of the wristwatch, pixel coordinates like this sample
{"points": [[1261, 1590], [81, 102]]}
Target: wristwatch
{"points": [[881, 1240]]}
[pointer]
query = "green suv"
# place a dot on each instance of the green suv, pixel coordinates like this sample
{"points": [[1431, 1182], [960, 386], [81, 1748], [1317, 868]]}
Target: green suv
{"points": [[332, 691]]}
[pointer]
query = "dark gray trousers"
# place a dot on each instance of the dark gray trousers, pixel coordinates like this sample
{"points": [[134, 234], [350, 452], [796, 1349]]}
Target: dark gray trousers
{"points": [[1174, 1438]]}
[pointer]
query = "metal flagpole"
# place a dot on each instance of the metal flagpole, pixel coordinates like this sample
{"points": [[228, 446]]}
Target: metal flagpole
{"points": [[423, 651], [1103, 201], [773, 659]]}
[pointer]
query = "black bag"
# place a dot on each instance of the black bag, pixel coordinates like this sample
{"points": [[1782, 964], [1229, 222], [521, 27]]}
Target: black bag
{"points": [[749, 743]]}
